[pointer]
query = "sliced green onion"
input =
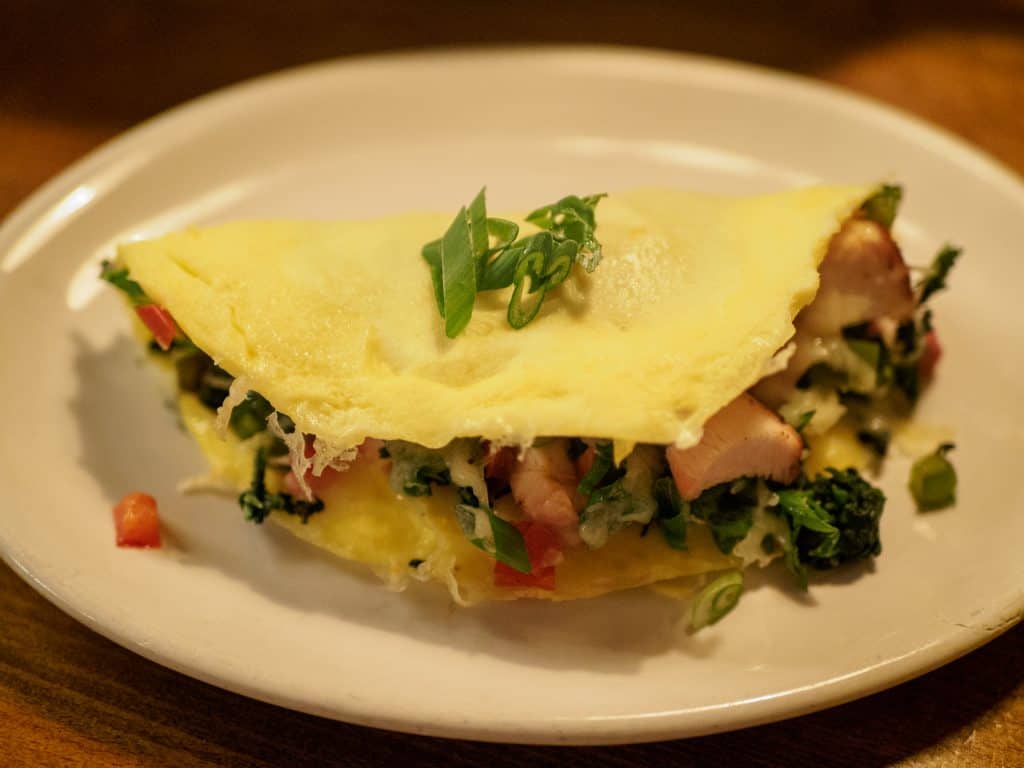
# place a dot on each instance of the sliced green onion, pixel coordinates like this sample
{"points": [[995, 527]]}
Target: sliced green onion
{"points": [[671, 512], [716, 599], [458, 275], [572, 219], [501, 234], [509, 546], [803, 420], [477, 217], [118, 277], [497, 266], [528, 279], [501, 271], [603, 460], [883, 205], [933, 480], [935, 278], [432, 255], [478, 253], [506, 543]]}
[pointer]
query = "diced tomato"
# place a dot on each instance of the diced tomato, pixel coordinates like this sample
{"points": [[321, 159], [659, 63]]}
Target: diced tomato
{"points": [[543, 544], [136, 521], [930, 356], [159, 322], [544, 548], [539, 578]]}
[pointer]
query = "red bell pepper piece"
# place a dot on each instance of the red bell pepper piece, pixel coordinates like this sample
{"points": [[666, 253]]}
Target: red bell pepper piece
{"points": [[544, 547], [159, 322], [136, 521]]}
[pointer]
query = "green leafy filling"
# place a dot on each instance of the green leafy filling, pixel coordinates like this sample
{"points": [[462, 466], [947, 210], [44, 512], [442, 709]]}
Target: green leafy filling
{"points": [[832, 520], [257, 502], [416, 469], [934, 279], [728, 510], [118, 277]]}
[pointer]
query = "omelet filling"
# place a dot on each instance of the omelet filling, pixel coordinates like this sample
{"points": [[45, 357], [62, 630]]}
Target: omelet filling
{"points": [[642, 428]]}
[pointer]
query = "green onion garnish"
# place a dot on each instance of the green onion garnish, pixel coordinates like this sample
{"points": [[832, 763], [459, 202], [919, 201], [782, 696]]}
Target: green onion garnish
{"points": [[716, 599], [882, 206], [509, 546], [603, 460], [933, 480], [478, 253], [506, 543], [458, 275], [671, 518], [803, 420], [935, 278], [118, 277]]}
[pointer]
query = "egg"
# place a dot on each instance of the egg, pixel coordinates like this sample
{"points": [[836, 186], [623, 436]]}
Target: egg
{"points": [[336, 324]]}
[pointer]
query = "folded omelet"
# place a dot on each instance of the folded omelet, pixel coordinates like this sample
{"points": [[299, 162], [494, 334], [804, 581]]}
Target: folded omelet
{"points": [[335, 323]]}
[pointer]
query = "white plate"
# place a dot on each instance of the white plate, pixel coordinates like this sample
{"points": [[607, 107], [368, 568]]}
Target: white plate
{"points": [[250, 609]]}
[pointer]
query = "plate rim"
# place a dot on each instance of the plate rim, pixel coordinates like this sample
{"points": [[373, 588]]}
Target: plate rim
{"points": [[644, 727]]}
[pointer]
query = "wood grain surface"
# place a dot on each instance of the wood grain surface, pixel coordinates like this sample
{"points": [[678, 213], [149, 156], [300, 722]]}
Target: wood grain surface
{"points": [[73, 74]]}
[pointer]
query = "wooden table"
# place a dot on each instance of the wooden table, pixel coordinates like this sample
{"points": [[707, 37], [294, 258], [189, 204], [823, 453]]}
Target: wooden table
{"points": [[75, 74]]}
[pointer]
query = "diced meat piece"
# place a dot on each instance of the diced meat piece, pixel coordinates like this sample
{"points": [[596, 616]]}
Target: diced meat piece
{"points": [[544, 485], [368, 452], [863, 279], [744, 439]]}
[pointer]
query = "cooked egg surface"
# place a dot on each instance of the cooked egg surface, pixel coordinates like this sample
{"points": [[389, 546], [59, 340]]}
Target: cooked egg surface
{"points": [[335, 322], [401, 537]]}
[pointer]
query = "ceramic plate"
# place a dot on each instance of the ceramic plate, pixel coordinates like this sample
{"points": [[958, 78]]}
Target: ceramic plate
{"points": [[250, 609]]}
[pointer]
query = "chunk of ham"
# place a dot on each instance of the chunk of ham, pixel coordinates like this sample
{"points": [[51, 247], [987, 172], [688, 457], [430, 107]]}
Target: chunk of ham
{"points": [[744, 439], [544, 485], [863, 279], [368, 452]]}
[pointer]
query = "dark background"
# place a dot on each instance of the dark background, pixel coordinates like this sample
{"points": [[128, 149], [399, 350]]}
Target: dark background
{"points": [[73, 74]]}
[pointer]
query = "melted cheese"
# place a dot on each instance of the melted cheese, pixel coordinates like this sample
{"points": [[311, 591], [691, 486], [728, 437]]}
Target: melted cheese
{"points": [[366, 522], [335, 322]]}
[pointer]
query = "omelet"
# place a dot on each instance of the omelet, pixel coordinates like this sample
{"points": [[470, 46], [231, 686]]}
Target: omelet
{"points": [[401, 538], [335, 324]]}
